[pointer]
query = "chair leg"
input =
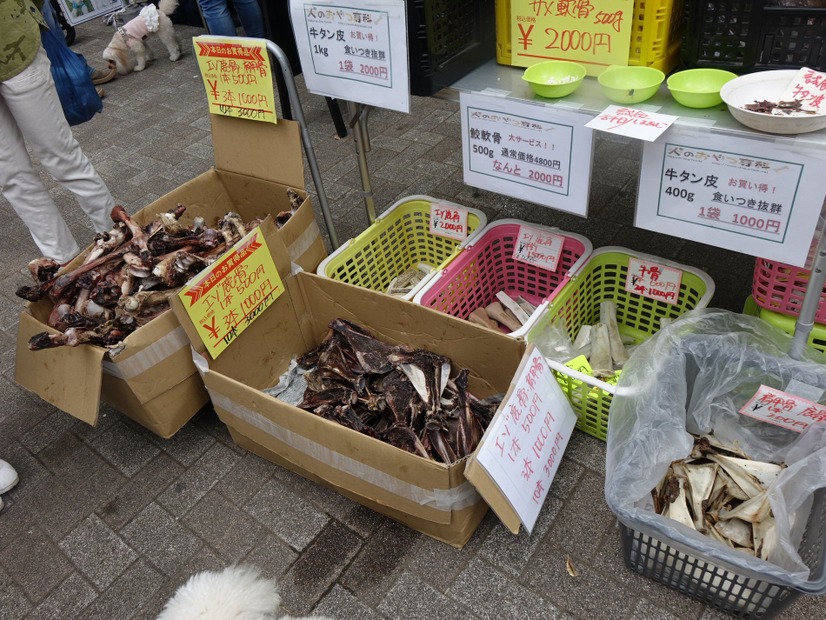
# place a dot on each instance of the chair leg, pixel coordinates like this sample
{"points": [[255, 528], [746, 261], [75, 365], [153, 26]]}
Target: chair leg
{"points": [[338, 120]]}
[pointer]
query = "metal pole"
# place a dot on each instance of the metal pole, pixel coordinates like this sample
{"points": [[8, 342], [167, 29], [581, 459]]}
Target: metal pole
{"points": [[806, 318], [358, 123], [298, 113]]}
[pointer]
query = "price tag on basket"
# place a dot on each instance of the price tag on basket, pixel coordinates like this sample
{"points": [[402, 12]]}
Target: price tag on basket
{"points": [[538, 247], [783, 409], [809, 88], [653, 280], [448, 221]]}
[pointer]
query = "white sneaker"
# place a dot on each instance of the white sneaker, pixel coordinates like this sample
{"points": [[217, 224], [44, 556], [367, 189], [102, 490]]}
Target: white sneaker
{"points": [[8, 477], [1, 503]]}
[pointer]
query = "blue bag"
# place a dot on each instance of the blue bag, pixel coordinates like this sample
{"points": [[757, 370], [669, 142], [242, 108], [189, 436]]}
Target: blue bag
{"points": [[77, 94]]}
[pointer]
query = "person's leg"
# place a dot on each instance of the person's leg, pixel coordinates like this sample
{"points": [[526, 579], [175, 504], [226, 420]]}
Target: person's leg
{"points": [[252, 20], [217, 17]]}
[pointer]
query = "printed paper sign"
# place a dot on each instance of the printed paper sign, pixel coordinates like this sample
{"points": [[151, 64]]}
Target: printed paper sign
{"points": [[809, 88], [355, 51], [596, 33], [448, 221], [754, 196], [524, 444], [533, 152], [237, 77], [538, 248], [653, 281], [783, 409], [228, 295], [632, 122], [79, 11]]}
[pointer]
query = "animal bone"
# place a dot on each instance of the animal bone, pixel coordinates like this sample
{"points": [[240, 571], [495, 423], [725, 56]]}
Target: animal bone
{"points": [[514, 307], [608, 317], [601, 351], [480, 317], [498, 313]]}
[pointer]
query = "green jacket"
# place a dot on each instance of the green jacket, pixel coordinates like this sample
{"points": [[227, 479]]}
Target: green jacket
{"points": [[20, 22]]}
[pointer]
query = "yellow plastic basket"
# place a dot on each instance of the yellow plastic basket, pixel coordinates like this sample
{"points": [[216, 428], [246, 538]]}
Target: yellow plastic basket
{"points": [[399, 239], [656, 33], [817, 337], [603, 278]]}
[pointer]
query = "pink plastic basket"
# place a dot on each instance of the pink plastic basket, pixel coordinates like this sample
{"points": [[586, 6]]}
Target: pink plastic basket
{"points": [[487, 266], [781, 288]]}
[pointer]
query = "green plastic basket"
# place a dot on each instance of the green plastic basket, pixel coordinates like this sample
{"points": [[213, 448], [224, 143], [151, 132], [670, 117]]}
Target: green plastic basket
{"points": [[602, 278], [398, 240], [817, 337]]}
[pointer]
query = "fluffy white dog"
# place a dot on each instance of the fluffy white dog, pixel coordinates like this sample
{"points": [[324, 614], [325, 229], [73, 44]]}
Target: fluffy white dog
{"points": [[127, 51], [235, 593]]}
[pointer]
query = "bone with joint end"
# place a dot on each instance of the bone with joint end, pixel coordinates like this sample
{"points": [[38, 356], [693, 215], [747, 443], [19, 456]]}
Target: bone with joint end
{"points": [[498, 313], [514, 307], [527, 306], [608, 317], [480, 317]]}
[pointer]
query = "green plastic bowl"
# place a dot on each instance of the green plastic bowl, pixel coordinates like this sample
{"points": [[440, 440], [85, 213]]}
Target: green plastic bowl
{"points": [[554, 78], [630, 84], [699, 88]]}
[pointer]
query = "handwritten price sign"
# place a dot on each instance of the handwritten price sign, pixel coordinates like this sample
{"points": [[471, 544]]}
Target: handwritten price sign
{"points": [[538, 247], [237, 77], [447, 221], [783, 409], [653, 281], [809, 88], [632, 122], [226, 297]]}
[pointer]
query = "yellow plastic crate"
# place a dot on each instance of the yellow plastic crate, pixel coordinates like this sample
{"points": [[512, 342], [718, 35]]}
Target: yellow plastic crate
{"points": [[399, 239], [817, 337], [656, 33]]}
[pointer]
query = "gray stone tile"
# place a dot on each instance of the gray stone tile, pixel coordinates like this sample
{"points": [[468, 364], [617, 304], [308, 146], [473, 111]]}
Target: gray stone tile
{"points": [[125, 596], [587, 451], [567, 477], [644, 610], [578, 534], [155, 534], [272, 556], [66, 600], [58, 508], [339, 603], [411, 599], [245, 479], [13, 602], [38, 565], [97, 551], [225, 527], [285, 514], [52, 427], [125, 448], [187, 445]]}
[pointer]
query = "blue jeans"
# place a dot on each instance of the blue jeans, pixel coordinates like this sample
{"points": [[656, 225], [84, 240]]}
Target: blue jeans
{"points": [[219, 21]]}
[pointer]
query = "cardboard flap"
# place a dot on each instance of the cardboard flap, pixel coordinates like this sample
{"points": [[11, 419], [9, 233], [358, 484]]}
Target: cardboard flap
{"points": [[77, 392], [262, 150]]}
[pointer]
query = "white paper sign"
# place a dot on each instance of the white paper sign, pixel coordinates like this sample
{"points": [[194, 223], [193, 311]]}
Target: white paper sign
{"points": [[355, 51], [523, 445], [632, 122], [809, 88], [77, 12], [753, 196], [448, 221], [653, 280], [538, 247], [533, 152], [783, 409]]}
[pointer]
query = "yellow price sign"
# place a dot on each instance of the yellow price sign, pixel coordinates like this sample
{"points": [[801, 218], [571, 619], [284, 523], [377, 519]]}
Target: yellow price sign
{"points": [[226, 297], [595, 33], [237, 77]]}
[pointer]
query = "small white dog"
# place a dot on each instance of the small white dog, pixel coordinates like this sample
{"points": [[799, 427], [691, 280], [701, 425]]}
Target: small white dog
{"points": [[235, 593], [127, 51]]}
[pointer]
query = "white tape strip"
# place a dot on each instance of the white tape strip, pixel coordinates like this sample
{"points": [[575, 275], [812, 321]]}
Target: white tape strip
{"points": [[441, 499], [110, 369], [155, 353], [304, 242]]}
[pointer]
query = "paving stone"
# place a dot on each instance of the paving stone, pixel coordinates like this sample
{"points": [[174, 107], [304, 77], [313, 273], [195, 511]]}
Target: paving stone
{"points": [[339, 603], [37, 563], [566, 478], [644, 610], [245, 478], [58, 508], [13, 602], [126, 595], [586, 450], [412, 599], [53, 426], [97, 551], [187, 445], [272, 556], [286, 515], [65, 601], [225, 527], [30, 471], [125, 448], [156, 535]]}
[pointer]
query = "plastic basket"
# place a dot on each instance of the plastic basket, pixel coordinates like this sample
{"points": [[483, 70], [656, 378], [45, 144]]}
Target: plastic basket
{"points": [[817, 337], [603, 278], [781, 288], [399, 239], [747, 34], [486, 266], [741, 596], [656, 33]]}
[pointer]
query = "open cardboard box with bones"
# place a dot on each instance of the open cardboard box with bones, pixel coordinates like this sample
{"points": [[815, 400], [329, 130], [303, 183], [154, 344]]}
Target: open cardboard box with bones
{"points": [[431, 497], [152, 378]]}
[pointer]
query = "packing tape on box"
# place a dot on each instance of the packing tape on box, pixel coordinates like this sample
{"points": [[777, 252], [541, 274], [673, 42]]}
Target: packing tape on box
{"points": [[304, 242], [151, 355], [463, 496]]}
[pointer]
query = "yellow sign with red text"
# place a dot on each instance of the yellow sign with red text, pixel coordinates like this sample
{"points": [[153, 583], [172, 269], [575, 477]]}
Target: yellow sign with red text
{"points": [[237, 77], [594, 33], [231, 293]]}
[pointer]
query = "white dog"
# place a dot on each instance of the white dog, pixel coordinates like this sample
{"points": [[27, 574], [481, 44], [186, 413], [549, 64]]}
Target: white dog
{"points": [[235, 593], [127, 51]]}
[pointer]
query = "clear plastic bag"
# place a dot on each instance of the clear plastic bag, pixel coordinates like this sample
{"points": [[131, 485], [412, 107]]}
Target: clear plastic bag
{"points": [[692, 377]]}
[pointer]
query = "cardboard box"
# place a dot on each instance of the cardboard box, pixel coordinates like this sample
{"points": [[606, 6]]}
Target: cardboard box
{"points": [[152, 379], [431, 497]]}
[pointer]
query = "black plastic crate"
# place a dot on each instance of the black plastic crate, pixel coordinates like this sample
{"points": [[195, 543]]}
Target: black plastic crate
{"points": [[448, 39], [747, 35], [739, 595]]}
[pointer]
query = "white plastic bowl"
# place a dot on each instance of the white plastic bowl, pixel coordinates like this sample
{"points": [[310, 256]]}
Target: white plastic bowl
{"points": [[767, 86]]}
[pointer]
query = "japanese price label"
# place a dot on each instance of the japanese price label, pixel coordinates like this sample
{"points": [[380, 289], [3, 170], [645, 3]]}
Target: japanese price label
{"points": [[237, 77], [231, 293], [753, 196], [596, 33], [632, 122], [355, 51], [538, 248], [809, 88], [783, 409], [653, 281], [527, 151], [524, 444], [448, 221]]}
